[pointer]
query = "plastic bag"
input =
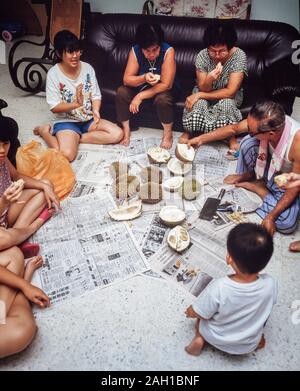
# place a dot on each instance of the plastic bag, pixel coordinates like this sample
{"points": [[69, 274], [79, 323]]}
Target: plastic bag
{"points": [[37, 162]]}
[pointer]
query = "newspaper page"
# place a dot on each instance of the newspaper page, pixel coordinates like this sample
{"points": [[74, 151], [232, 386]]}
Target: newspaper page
{"points": [[191, 270], [215, 162], [92, 166], [81, 189], [155, 236], [246, 200], [93, 250], [135, 147]]}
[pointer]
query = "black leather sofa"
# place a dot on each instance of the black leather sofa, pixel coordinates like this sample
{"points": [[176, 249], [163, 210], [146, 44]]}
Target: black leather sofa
{"points": [[268, 45]]}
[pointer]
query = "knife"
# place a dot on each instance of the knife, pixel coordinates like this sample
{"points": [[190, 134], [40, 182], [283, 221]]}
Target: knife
{"points": [[210, 206]]}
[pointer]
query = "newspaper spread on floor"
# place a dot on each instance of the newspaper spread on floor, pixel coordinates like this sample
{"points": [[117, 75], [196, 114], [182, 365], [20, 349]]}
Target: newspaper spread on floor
{"points": [[93, 250], [213, 157], [199, 264], [90, 254]]}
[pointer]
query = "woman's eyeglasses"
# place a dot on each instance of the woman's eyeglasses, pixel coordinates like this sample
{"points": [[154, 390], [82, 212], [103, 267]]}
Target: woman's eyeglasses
{"points": [[214, 53]]}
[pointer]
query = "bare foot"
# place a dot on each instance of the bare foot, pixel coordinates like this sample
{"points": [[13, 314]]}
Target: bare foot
{"points": [[126, 139], [184, 138], [262, 343], [257, 187], [233, 144], [40, 130], [32, 265], [196, 346], [295, 246], [236, 178], [166, 141]]}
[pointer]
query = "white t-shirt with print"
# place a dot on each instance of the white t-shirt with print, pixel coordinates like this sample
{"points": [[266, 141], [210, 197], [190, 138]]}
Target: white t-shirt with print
{"points": [[233, 313], [60, 88]]}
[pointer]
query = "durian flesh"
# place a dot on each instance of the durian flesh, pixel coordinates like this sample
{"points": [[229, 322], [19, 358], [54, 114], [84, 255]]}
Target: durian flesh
{"points": [[185, 153], [179, 239], [159, 155], [171, 215]]}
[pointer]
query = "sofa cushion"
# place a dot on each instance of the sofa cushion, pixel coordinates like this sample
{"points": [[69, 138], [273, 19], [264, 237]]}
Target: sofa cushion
{"points": [[268, 45]]}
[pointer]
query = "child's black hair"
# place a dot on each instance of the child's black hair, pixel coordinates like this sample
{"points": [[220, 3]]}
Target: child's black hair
{"points": [[9, 132], [250, 246], [220, 33], [8, 129], [66, 41], [149, 34]]}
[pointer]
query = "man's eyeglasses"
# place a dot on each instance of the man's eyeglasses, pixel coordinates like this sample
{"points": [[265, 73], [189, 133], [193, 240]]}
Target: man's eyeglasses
{"points": [[258, 132]]}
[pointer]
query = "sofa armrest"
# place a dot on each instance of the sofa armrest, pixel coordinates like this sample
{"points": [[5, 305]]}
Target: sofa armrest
{"points": [[282, 77], [282, 83]]}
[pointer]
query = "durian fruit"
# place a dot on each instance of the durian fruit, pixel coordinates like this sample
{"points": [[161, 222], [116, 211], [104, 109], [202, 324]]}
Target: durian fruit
{"points": [[173, 184], [185, 153], [126, 186], [177, 167], [171, 215], [128, 212], [19, 183], [158, 155], [151, 192], [151, 174], [117, 169], [190, 189], [179, 239]]}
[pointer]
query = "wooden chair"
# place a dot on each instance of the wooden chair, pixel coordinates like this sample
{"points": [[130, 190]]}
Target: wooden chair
{"points": [[62, 14]]}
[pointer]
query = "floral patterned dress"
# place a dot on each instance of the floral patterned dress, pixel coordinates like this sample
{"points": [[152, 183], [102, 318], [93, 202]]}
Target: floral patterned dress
{"points": [[5, 182]]}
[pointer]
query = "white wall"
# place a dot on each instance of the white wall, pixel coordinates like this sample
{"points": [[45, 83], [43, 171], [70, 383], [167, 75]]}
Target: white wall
{"points": [[278, 10], [117, 6]]}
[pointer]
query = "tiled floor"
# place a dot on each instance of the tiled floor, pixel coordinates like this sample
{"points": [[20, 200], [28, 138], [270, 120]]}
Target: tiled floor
{"points": [[140, 324]]}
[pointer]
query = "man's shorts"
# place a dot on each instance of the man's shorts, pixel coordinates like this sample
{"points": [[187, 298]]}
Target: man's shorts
{"points": [[77, 127]]}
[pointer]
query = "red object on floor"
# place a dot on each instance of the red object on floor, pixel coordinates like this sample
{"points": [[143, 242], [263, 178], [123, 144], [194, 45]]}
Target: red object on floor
{"points": [[29, 250], [45, 214]]}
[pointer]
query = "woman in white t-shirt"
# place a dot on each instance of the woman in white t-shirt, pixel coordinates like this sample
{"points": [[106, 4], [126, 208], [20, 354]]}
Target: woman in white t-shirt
{"points": [[232, 311], [74, 98]]}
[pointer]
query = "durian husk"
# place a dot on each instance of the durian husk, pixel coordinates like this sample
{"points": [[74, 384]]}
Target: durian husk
{"points": [[170, 189], [180, 157], [151, 174], [190, 189], [153, 161], [151, 192], [126, 213], [117, 169], [281, 180], [170, 223], [126, 186], [172, 242]]}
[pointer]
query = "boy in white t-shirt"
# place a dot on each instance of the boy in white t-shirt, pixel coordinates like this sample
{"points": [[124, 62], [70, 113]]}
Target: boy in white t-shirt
{"points": [[232, 311], [74, 97]]}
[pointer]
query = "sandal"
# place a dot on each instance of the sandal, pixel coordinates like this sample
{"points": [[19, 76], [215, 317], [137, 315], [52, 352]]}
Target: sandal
{"points": [[46, 214], [232, 154], [29, 250]]}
